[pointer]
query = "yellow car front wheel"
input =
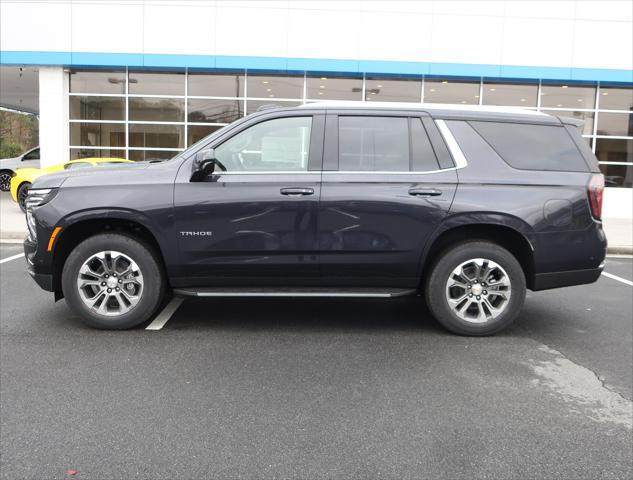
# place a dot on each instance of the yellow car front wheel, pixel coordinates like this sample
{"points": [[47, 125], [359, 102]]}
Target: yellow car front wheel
{"points": [[23, 191]]}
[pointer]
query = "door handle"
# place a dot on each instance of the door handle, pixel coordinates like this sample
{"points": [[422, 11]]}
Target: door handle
{"points": [[425, 192], [296, 192]]}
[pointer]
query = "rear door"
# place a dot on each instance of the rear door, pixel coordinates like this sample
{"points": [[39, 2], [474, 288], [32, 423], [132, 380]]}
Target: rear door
{"points": [[388, 182]]}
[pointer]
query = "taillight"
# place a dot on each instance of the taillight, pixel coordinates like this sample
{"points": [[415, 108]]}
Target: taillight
{"points": [[595, 190]]}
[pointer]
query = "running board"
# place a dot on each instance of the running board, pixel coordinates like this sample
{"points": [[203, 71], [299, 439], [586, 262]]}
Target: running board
{"points": [[296, 292]]}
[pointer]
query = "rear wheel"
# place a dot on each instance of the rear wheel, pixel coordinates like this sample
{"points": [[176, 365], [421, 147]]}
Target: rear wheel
{"points": [[23, 192], [5, 180], [475, 288], [113, 281]]}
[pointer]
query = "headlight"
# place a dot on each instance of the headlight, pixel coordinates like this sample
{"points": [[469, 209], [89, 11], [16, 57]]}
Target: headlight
{"points": [[39, 196], [36, 198]]}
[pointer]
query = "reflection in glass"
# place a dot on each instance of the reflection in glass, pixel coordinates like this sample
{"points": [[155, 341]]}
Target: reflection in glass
{"points": [[587, 117], [97, 134], [334, 88], [147, 83], [619, 124], [567, 96], [510, 94], [614, 150], [151, 155], [275, 87], [198, 132], [76, 153], [154, 109], [617, 175], [205, 85], [97, 82], [97, 108], [445, 91], [612, 98], [254, 105], [156, 136], [214, 111], [387, 90]]}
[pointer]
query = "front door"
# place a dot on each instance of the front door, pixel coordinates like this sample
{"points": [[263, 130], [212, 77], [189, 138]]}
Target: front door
{"points": [[256, 219], [383, 194]]}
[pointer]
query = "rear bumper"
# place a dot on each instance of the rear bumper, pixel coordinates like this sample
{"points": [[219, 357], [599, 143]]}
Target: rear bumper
{"points": [[545, 281]]}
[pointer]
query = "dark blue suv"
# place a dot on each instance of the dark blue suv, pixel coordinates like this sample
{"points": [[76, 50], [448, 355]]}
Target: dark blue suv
{"points": [[466, 206]]}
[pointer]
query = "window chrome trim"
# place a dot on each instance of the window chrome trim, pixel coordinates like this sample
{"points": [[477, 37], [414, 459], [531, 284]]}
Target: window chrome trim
{"points": [[375, 172], [451, 143]]}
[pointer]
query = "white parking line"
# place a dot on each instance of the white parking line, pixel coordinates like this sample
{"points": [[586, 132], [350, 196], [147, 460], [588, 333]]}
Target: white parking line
{"points": [[619, 279], [163, 317], [8, 259]]}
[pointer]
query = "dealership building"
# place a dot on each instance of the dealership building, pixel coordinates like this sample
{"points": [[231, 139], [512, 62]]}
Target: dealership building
{"points": [[144, 79]]}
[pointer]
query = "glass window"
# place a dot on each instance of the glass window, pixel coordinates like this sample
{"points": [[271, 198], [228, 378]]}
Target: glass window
{"points": [[617, 175], [612, 98], [156, 136], [76, 153], [97, 134], [510, 94], [204, 85], [274, 145], [275, 87], [619, 124], [253, 106], [73, 166], [151, 155], [373, 144], [587, 117], [334, 88], [97, 82], [532, 147], [567, 96], [424, 159], [97, 108], [214, 111], [386, 90], [155, 109], [198, 132], [614, 150], [449, 91], [32, 155], [146, 83]]}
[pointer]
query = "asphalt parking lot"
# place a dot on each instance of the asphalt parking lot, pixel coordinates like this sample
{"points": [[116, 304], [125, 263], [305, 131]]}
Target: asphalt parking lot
{"points": [[317, 389]]}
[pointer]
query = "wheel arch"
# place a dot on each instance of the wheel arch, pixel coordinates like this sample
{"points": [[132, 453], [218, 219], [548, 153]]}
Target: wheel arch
{"points": [[87, 224], [510, 235]]}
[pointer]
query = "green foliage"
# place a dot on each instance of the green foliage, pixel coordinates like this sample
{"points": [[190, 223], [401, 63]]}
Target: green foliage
{"points": [[18, 133], [8, 150]]}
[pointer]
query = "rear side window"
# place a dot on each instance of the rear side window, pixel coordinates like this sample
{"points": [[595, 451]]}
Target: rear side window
{"points": [[373, 144], [532, 147], [422, 154]]}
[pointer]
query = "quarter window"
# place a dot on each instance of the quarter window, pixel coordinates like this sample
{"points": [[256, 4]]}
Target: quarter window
{"points": [[271, 146], [375, 144]]}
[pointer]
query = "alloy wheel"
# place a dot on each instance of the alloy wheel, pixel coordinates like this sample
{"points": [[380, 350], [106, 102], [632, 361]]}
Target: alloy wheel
{"points": [[5, 181]]}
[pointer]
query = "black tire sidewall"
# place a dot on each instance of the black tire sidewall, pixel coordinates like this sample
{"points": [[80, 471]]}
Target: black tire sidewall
{"points": [[435, 288], [145, 258]]}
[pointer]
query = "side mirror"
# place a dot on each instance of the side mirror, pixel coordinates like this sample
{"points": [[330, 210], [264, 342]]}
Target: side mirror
{"points": [[203, 164]]}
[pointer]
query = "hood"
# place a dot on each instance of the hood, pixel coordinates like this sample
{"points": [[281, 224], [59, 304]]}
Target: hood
{"points": [[90, 174]]}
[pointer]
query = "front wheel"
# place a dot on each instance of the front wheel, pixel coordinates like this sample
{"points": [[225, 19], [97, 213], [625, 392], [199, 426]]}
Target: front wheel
{"points": [[23, 192], [475, 288], [113, 281]]}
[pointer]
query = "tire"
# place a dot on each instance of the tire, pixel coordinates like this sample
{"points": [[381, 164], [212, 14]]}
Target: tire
{"points": [[23, 191], [457, 307], [5, 180], [140, 292]]}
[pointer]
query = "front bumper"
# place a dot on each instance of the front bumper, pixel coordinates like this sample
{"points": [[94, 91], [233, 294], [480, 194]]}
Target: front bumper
{"points": [[44, 280]]}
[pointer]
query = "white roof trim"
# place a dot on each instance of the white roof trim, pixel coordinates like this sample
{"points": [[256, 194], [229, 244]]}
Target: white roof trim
{"points": [[421, 106]]}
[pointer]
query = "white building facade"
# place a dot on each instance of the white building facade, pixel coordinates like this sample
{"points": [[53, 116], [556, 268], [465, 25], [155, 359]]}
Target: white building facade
{"points": [[146, 79]]}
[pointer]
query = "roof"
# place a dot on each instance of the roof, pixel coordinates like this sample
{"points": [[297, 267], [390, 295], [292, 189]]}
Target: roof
{"points": [[423, 106]]}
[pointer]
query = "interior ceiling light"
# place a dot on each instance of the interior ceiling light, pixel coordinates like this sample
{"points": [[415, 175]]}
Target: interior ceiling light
{"points": [[580, 99], [321, 86], [323, 78], [444, 81], [559, 105], [269, 89], [523, 100], [432, 90], [563, 86], [605, 93], [379, 86], [493, 89], [320, 93], [264, 82]]}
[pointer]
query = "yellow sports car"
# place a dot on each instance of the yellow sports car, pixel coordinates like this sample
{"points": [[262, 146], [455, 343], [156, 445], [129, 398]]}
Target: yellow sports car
{"points": [[23, 177]]}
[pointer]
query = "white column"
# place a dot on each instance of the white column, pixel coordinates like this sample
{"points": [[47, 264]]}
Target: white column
{"points": [[54, 136]]}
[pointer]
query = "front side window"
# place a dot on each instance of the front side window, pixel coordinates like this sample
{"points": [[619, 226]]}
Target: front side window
{"points": [[32, 155], [271, 146], [373, 144]]}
